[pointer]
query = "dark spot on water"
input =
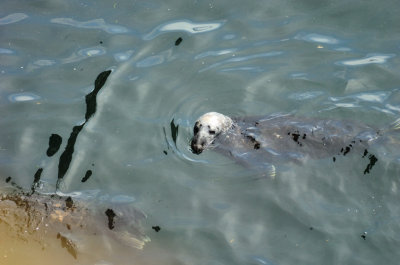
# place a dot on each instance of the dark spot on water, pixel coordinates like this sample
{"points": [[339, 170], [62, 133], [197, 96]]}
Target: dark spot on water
{"points": [[257, 145], [36, 179], [372, 161], [110, 215], [311, 228], [90, 98], [353, 142], [87, 176], [37, 175], [8, 179], [304, 136], [256, 123], [101, 42], [365, 153], [91, 104], [288, 133], [165, 152], [178, 41], [341, 150], [66, 156], [92, 164], [55, 141], [364, 236], [334, 159], [68, 244], [69, 203], [174, 131], [156, 228], [68, 226]]}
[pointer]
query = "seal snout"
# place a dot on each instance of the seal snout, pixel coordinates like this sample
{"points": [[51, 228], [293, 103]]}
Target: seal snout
{"points": [[197, 146], [196, 149]]}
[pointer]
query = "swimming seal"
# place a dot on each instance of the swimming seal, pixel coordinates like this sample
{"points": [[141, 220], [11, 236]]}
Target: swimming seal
{"points": [[262, 141]]}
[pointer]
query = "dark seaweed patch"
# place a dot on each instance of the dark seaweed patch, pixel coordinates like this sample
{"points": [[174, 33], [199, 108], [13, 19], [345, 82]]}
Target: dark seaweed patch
{"points": [[91, 104], [110, 215], [8, 179], [87, 176], [178, 41], [68, 244], [156, 228], [55, 141], [372, 161], [365, 153], [69, 203], [364, 236], [66, 156], [36, 179], [37, 175], [174, 131]]}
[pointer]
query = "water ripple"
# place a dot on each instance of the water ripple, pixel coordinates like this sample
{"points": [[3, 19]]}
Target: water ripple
{"points": [[241, 59], [214, 53], [313, 37], [19, 97], [83, 54], [183, 25], [377, 58], [91, 24], [6, 51], [123, 56], [12, 18]]}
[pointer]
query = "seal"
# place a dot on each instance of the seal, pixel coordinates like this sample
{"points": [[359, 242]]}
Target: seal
{"points": [[259, 142]]}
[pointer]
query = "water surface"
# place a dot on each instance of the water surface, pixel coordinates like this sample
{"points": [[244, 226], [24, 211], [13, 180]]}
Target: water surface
{"points": [[330, 59]]}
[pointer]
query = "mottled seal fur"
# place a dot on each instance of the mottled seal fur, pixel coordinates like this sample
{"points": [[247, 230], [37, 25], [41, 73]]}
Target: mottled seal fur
{"points": [[259, 142]]}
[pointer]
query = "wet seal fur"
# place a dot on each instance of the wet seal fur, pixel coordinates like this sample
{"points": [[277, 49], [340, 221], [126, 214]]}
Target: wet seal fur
{"points": [[259, 142]]}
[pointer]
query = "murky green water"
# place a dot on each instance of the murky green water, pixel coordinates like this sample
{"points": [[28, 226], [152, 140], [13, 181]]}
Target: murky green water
{"points": [[325, 59]]}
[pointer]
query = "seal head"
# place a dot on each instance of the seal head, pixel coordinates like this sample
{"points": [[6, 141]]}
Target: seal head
{"points": [[207, 128]]}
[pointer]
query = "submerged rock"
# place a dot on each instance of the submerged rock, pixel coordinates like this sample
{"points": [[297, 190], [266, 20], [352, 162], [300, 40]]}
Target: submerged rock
{"points": [[32, 217]]}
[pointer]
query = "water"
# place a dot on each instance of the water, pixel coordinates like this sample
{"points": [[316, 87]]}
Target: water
{"points": [[330, 59]]}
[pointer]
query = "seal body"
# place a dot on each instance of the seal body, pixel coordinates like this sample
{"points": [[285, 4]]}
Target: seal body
{"points": [[259, 142]]}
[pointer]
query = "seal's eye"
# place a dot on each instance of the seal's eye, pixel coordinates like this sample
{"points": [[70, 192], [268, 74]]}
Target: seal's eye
{"points": [[195, 129], [211, 132]]}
